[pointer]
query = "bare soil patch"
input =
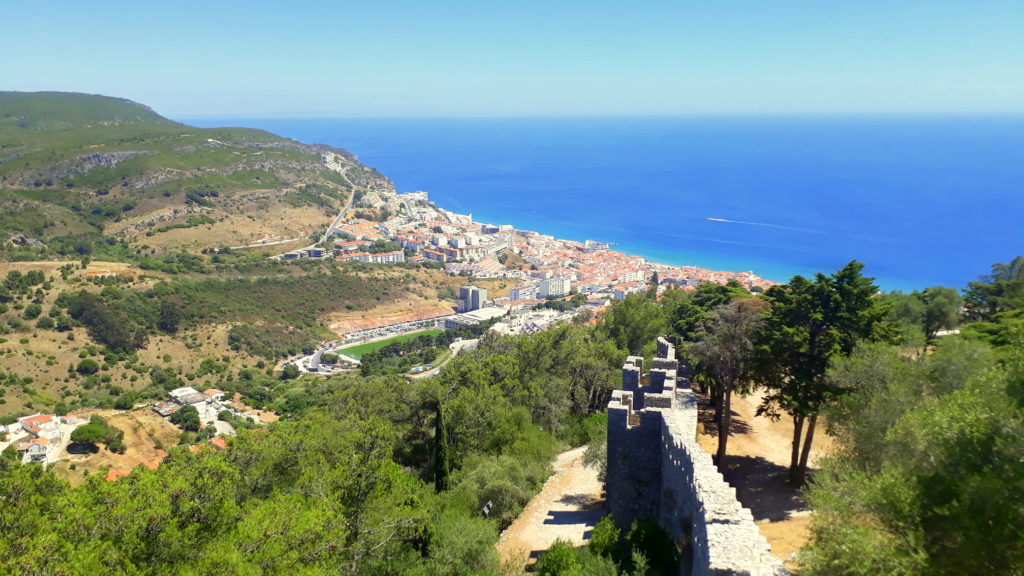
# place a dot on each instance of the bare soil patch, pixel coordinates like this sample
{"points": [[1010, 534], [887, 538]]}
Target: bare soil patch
{"points": [[278, 220], [567, 508], [405, 310], [144, 433], [418, 302], [758, 467]]}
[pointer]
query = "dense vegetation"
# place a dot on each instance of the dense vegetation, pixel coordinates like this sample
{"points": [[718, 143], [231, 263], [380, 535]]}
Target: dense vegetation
{"points": [[930, 477], [644, 550], [344, 483], [279, 311], [403, 353]]}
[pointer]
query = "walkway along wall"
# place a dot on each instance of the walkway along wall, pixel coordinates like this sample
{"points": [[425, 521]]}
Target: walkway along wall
{"points": [[656, 468]]}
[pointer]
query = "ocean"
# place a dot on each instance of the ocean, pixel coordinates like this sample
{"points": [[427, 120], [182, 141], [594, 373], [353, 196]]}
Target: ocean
{"points": [[921, 201]]}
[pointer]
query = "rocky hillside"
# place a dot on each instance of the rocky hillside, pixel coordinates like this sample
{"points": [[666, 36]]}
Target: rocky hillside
{"points": [[92, 175]]}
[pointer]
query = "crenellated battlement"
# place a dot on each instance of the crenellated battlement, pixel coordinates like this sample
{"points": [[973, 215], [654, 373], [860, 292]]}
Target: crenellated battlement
{"points": [[656, 468]]}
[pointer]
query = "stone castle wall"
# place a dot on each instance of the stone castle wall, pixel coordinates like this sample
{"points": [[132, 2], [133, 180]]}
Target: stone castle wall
{"points": [[656, 468]]}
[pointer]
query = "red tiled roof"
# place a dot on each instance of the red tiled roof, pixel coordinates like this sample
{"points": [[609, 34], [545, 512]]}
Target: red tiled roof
{"points": [[115, 475]]}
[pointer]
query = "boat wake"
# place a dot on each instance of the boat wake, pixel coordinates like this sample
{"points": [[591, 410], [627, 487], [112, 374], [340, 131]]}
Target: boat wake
{"points": [[764, 224]]}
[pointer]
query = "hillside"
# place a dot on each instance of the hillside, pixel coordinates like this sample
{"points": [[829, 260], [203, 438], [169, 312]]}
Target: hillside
{"points": [[104, 197], [63, 110], [107, 177]]}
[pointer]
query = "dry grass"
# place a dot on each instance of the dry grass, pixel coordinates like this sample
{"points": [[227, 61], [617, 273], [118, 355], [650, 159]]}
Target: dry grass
{"points": [[144, 433], [277, 221], [416, 304], [759, 452], [47, 354], [787, 537]]}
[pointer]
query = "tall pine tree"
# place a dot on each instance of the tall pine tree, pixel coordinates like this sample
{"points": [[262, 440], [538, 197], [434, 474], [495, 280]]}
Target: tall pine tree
{"points": [[442, 466]]}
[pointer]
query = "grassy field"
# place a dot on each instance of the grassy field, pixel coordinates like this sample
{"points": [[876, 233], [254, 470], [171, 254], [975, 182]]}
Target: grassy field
{"points": [[358, 350]]}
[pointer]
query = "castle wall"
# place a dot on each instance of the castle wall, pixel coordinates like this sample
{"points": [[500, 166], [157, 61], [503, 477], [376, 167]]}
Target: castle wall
{"points": [[634, 461], [656, 468]]}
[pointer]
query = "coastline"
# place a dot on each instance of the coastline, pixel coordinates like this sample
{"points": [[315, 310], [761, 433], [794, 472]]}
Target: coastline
{"points": [[775, 272], [825, 191]]}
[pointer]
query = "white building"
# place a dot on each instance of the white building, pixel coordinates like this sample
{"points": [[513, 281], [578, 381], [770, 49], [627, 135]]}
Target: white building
{"points": [[35, 450], [524, 292], [46, 426], [471, 298], [187, 395], [395, 257], [554, 287], [475, 317]]}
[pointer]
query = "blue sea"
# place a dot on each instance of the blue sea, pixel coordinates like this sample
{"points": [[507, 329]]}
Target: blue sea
{"points": [[921, 201]]}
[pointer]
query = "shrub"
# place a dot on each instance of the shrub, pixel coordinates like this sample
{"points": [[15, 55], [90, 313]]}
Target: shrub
{"points": [[87, 366], [604, 537], [32, 311], [559, 560]]}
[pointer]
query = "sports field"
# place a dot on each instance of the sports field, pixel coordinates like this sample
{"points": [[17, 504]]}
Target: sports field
{"points": [[358, 350]]}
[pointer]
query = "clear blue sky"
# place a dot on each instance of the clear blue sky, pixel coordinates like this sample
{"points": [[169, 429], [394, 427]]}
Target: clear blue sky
{"points": [[522, 58]]}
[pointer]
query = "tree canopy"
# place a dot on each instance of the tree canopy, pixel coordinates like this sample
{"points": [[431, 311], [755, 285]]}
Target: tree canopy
{"points": [[808, 325]]}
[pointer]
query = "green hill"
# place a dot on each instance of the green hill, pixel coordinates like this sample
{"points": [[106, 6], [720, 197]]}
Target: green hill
{"points": [[61, 110], [109, 177]]}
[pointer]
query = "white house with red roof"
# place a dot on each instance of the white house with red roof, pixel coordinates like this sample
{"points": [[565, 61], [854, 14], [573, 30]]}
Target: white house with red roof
{"points": [[41, 426], [34, 450]]}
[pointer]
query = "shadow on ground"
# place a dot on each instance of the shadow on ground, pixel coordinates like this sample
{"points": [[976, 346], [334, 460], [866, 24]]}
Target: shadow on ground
{"points": [[706, 418], [761, 486], [79, 448], [581, 500], [590, 513]]}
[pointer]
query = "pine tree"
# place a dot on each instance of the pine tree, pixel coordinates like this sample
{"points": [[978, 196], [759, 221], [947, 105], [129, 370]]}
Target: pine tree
{"points": [[442, 469]]}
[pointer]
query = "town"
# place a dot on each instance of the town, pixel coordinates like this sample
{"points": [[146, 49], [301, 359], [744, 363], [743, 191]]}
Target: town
{"points": [[390, 228]]}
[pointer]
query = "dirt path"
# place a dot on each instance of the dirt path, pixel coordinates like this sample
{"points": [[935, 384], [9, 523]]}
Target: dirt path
{"points": [[758, 465], [568, 507]]}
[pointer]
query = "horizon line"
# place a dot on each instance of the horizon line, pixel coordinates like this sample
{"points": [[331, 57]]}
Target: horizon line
{"points": [[688, 115]]}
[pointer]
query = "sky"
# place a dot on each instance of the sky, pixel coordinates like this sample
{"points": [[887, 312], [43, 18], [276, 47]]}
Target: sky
{"points": [[192, 59]]}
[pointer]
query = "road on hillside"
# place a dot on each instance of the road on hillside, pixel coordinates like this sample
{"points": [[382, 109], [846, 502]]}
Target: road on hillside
{"points": [[341, 215], [337, 220]]}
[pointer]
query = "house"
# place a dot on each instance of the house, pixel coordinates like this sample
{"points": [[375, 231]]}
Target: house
{"points": [[350, 246], [115, 475], [219, 443], [214, 394], [35, 450], [42, 426], [165, 409], [186, 396]]}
